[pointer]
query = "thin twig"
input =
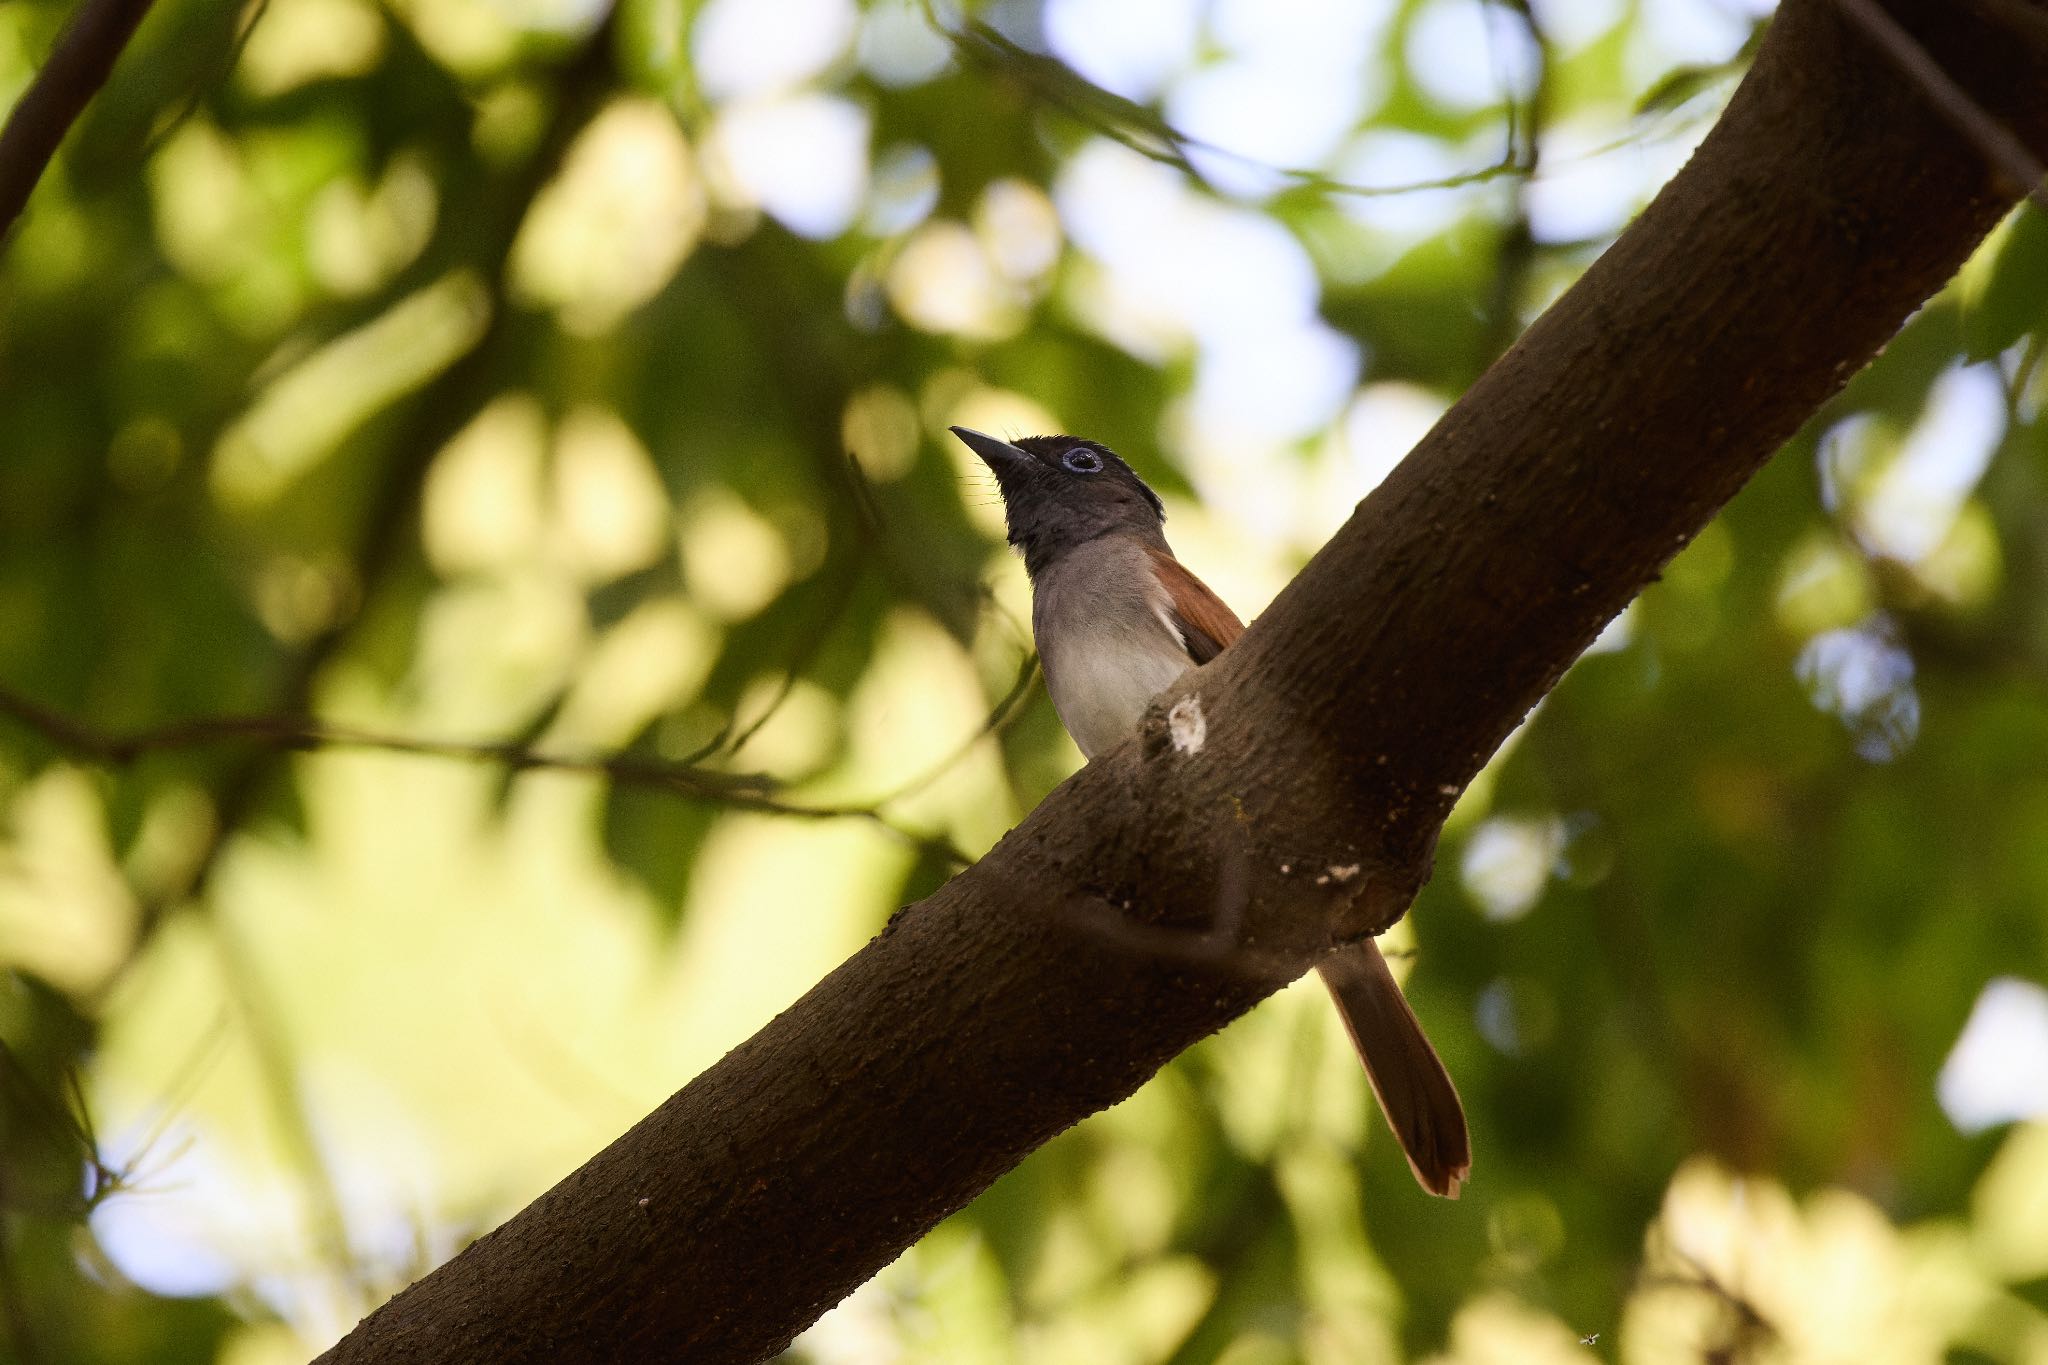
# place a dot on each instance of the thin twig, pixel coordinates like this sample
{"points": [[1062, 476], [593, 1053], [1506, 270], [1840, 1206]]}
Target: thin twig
{"points": [[744, 791], [997, 720], [1147, 133], [206, 85], [78, 67], [1999, 144]]}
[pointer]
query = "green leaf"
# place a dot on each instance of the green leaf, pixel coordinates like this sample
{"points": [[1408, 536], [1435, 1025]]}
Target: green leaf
{"points": [[2009, 299]]}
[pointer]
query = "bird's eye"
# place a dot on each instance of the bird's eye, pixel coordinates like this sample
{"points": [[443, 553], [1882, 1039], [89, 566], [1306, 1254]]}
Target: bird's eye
{"points": [[1082, 461]]}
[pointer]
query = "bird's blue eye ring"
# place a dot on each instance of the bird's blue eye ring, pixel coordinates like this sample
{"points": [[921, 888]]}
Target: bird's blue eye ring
{"points": [[1082, 462]]}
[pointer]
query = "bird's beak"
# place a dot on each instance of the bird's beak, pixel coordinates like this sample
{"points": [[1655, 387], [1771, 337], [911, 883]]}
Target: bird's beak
{"points": [[999, 456]]}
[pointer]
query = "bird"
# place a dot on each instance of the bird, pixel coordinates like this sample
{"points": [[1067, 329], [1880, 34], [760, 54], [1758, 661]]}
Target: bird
{"points": [[1117, 619]]}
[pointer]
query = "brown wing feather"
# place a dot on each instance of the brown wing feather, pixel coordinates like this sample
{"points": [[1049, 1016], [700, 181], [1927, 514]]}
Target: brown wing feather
{"points": [[1207, 627], [1414, 1090]]}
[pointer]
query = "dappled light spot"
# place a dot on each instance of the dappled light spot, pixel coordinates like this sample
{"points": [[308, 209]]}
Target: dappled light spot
{"points": [[1469, 55], [359, 237], [302, 41], [1508, 861], [2011, 1207], [1864, 675], [481, 508], [615, 225], [1516, 1015], [1822, 585], [1496, 1328], [611, 512], [1907, 499], [304, 414], [201, 200], [747, 48], [510, 118], [772, 906], [903, 190], [66, 913], [1998, 1070], [1019, 228], [1588, 186], [1129, 47], [880, 430], [177, 1246], [492, 651], [913, 722], [1906, 506], [801, 158], [1382, 424], [1735, 1259], [472, 38], [299, 597], [645, 666], [1261, 113], [1216, 270], [1378, 156], [144, 454], [734, 559], [942, 281], [899, 46]]}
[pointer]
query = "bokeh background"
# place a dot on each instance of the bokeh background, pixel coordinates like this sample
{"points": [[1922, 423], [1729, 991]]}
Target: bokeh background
{"points": [[563, 388]]}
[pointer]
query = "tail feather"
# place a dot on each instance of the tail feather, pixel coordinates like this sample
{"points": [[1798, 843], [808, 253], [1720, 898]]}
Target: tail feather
{"points": [[1414, 1090]]}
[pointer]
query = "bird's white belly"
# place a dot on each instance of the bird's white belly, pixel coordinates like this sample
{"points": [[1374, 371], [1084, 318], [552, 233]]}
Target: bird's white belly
{"points": [[1102, 679]]}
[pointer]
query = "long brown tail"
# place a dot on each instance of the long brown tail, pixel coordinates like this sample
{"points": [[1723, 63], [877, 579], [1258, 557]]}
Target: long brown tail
{"points": [[1414, 1090]]}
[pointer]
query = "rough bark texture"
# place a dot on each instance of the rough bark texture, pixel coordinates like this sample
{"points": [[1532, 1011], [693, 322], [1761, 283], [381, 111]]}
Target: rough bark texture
{"points": [[1056, 976], [76, 70]]}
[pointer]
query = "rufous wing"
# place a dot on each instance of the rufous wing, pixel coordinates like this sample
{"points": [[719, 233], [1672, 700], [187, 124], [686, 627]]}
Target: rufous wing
{"points": [[1207, 627]]}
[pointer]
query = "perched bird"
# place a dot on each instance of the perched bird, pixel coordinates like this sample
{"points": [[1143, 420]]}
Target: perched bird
{"points": [[1117, 619]]}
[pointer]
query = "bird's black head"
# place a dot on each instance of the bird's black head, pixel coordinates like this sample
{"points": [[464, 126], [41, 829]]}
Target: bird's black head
{"points": [[1062, 491]]}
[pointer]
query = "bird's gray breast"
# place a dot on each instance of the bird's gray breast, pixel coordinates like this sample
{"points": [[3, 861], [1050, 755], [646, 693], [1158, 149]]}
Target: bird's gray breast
{"points": [[1106, 638]]}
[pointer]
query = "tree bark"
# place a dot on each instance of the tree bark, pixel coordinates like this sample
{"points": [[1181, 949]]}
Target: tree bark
{"points": [[1165, 889]]}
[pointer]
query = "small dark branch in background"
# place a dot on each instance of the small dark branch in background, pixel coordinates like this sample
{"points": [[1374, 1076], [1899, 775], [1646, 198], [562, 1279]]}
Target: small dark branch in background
{"points": [[1147, 133], [2032, 23], [1744, 1330], [222, 68], [67, 1121], [1516, 254], [2000, 146], [287, 734], [284, 734], [998, 720], [77, 68]]}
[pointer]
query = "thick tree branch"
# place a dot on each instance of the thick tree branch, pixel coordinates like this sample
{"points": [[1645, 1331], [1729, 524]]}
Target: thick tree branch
{"points": [[77, 68], [1831, 200]]}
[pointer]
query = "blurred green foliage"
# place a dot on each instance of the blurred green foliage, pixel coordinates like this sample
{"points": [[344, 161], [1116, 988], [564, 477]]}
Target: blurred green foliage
{"points": [[574, 382]]}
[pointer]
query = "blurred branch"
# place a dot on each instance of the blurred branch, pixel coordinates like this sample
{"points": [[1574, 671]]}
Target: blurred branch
{"points": [[77, 68], [208, 82], [13, 1303], [1746, 1330], [287, 734], [1150, 135], [1828, 203], [1516, 253], [2014, 159]]}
